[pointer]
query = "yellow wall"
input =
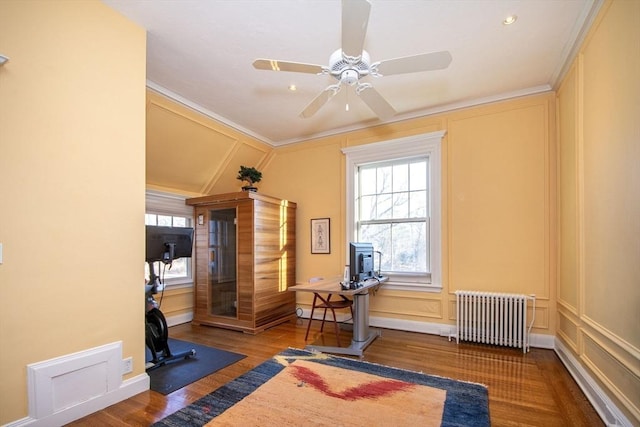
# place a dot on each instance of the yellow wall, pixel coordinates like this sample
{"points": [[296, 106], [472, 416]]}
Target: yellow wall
{"points": [[599, 205], [72, 187], [498, 214]]}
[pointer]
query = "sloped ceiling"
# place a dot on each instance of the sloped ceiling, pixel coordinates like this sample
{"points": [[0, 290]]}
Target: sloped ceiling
{"points": [[191, 153]]}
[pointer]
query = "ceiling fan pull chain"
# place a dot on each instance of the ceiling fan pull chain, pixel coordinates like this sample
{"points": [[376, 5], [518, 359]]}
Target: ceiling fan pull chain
{"points": [[346, 107]]}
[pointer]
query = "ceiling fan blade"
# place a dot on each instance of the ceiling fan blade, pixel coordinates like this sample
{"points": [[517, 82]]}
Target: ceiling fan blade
{"points": [[355, 18], [319, 101], [413, 64], [296, 67], [375, 101]]}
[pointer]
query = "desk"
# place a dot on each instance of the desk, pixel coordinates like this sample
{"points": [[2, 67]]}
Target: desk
{"points": [[362, 334]]}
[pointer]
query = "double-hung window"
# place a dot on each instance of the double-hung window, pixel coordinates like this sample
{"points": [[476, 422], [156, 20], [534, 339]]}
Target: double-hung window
{"points": [[392, 213], [393, 201], [167, 210]]}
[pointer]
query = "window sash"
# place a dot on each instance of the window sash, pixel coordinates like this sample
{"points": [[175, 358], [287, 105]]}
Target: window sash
{"points": [[388, 181], [428, 145]]}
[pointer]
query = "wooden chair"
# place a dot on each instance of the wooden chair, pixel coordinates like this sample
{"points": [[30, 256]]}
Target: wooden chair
{"points": [[328, 304]]}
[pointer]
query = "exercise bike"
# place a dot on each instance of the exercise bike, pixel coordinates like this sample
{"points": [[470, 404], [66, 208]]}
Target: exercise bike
{"points": [[156, 330]]}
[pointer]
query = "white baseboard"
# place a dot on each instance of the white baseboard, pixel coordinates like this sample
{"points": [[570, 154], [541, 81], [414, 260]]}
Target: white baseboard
{"points": [[127, 389], [441, 329], [179, 319], [604, 406]]}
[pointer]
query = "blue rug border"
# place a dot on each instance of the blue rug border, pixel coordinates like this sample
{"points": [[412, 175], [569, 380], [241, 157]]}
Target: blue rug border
{"points": [[456, 414]]}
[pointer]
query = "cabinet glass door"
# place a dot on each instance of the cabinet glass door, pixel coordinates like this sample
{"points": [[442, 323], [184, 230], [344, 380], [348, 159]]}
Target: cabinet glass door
{"points": [[222, 262]]}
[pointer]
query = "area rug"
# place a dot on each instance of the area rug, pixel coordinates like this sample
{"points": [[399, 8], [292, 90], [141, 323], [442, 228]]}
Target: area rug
{"points": [[298, 387], [178, 373]]}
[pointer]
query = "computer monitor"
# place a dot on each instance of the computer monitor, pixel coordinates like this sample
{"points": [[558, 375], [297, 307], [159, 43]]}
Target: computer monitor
{"points": [[168, 243], [361, 261]]}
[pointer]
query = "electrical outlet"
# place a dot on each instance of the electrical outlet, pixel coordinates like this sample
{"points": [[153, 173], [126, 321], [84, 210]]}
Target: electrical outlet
{"points": [[127, 365]]}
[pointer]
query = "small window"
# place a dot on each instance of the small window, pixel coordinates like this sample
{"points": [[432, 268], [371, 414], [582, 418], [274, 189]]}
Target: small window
{"points": [[168, 209]]}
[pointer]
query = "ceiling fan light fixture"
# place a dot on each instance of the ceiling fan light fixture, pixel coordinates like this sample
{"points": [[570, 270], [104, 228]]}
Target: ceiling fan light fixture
{"points": [[349, 77], [351, 63], [510, 20]]}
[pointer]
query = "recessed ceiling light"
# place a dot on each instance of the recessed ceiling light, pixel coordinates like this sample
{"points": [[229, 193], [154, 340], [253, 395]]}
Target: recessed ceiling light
{"points": [[293, 88], [510, 20]]}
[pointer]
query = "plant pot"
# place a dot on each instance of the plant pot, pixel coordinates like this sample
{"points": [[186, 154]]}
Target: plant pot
{"points": [[249, 188]]}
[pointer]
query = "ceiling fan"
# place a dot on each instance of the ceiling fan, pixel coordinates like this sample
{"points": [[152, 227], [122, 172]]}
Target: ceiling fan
{"points": [[350, 63]]}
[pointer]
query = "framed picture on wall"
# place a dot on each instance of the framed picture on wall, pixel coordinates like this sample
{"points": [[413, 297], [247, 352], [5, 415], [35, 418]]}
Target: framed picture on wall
{"points": [[321, 236]]}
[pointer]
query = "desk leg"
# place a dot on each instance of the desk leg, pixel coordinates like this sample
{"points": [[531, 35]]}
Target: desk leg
{"points": [[362, 334], [361, 314]]}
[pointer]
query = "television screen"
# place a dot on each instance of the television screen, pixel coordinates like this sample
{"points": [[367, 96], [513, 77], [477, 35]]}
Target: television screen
{"points": [[168, 243], [360, 261]]}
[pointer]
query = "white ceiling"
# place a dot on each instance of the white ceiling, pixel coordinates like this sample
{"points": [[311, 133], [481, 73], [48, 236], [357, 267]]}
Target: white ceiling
{"points": [[200, 52]]}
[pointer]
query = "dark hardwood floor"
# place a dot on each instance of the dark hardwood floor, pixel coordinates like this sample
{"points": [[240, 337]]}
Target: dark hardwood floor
{"points": [[532, 389]]}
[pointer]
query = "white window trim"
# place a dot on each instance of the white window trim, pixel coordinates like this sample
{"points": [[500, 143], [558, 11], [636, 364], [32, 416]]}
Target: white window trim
{"points": [[162, 203], [429, 144]]}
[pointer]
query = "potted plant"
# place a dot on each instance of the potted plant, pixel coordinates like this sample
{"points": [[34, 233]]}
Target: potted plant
{"points": [[251, 175]]}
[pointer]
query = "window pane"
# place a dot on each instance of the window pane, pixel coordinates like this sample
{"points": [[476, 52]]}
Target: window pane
{"points": [[179, 221], [401, 177], [367, 181], [384, 207], [418, 173], [380, 236], [367, 208], [150, 219], [178, 269], [409, 247], [164, 220], [418, 204], [400, 205], [384, 180]]}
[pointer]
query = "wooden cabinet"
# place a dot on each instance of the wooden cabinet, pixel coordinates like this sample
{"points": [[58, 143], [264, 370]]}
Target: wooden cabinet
{"points": [[244, 261]]}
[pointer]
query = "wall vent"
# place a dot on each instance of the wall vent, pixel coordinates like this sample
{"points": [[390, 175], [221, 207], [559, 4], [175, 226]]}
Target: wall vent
{"points": [[61, 383]]}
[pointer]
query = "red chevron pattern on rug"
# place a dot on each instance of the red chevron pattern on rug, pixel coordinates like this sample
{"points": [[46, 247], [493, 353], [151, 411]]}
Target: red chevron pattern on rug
{"points": [[309, 393], [370, 390]]}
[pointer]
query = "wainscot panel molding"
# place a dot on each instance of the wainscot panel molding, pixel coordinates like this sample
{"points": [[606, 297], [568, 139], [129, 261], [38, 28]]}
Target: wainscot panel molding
{"points": [[418, 305], [603, 405], [625, 346], [568, 328], [619, 379]]}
